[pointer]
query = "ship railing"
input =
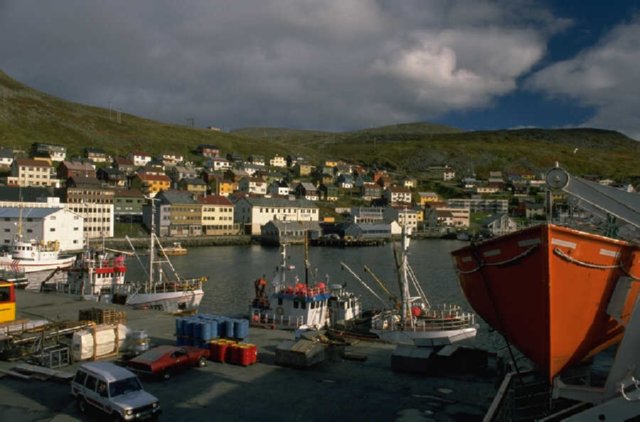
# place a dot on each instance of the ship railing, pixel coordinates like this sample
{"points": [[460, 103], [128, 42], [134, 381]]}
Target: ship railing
{"points": [[180, 285], [304, 292], [448, 322], [259, 317]]}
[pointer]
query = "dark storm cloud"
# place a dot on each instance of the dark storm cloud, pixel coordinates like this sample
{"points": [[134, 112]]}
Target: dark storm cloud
{"points": [[331, 65]]}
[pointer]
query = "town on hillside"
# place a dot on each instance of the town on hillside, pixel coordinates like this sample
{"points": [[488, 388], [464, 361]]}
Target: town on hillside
{"points": [[49, 197]]}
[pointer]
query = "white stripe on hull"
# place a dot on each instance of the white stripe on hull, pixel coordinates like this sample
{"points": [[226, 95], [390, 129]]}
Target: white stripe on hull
{"points": [[426, 338]]}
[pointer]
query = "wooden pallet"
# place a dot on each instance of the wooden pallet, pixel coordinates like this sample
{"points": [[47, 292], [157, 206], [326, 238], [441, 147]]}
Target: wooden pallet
{"points": [[103, 316]]}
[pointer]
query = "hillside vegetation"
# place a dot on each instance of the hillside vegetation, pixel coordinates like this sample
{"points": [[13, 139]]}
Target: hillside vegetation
{"points": [[28, 116]]}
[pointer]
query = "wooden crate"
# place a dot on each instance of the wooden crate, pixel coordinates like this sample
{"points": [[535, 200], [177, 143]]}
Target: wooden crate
{"points": [[103, 316]]}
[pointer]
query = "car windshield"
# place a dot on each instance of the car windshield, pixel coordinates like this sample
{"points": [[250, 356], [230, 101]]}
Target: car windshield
{"points": [[124, 386]]}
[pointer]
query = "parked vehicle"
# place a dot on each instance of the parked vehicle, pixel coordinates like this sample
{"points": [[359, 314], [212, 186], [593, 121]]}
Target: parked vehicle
{"points": [[113, 390], [163, 361]]}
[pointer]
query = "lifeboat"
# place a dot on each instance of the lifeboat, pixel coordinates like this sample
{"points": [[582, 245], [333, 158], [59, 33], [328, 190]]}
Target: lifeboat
{"points": [[548, 288]]}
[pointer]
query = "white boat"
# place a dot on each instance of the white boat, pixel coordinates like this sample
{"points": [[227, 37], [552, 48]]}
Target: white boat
{"points": [[33, 256], [97, 274], [101, 276], [289, 303], [412, 319]]}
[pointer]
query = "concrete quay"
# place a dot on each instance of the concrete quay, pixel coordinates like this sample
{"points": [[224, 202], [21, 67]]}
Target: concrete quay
{"points": [[335, 389]]}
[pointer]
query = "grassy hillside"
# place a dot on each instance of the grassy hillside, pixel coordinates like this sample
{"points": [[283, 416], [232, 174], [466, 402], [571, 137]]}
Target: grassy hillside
{"points": [[28, 116]]}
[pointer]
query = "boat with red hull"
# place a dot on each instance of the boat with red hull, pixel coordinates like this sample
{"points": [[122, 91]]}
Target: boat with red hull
{"points": [[547, 289]]}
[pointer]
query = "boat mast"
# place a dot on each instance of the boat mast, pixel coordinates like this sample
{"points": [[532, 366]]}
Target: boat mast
{"points": [[306, 258], [406, 298], [151, 240]]}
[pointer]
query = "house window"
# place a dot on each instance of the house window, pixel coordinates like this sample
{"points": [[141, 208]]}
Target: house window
{"points": [[52, 229]]}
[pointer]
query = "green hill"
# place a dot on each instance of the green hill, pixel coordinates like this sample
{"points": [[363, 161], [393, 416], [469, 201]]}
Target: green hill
{"points": [[28, 116]]}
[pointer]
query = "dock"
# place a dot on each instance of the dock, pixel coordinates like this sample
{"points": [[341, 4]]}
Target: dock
{"points": [[338, 387]]}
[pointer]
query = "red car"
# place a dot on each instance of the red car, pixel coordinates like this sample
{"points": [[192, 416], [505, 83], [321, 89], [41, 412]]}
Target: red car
{"points": [[163, 361]]}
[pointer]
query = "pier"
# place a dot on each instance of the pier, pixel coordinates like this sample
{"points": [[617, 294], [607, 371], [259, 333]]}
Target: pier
{"points": [[338, 388]]}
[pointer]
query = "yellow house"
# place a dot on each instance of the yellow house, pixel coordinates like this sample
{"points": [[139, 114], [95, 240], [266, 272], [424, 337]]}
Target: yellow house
{"points": [[151, 183], [427, 197], [217, 215], [224, 187]]}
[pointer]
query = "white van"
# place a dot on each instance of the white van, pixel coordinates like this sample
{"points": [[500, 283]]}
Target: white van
{"points": [[114, 390]]}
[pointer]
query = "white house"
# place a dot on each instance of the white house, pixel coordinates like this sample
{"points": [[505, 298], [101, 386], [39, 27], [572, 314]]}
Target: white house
{"points": [[140, 158], [218, 163], [6, 157], [278, 188], [251, 213], [278, 161], [255, 185], [42, 225], [397, 195], [448, 174]]}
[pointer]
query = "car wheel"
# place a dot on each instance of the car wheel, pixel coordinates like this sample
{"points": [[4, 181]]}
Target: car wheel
{"points": [[202, 362], [82, 405], [166, 375], [115, 417]]}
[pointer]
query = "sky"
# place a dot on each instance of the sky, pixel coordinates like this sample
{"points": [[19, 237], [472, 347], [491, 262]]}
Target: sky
{"points": [[335, 64]]}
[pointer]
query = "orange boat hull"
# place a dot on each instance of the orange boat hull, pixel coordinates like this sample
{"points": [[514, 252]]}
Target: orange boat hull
{"points": [[547, 288]]}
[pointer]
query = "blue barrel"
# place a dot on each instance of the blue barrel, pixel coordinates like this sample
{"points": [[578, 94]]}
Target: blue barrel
{"points": [[240, 328], [229, 329], [205, 330], [190, 330], [214, 328], [178, 327]]}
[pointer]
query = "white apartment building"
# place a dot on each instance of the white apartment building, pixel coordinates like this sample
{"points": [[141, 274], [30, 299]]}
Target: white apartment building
{"points": [[42, 224], [458, 217], [217, 215], [499, 206], [29, 172], [98, 218], [252, 213]]}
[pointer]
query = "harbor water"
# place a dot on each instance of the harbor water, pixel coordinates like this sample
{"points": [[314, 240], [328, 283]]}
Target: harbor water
{"points": [[231, 271]]}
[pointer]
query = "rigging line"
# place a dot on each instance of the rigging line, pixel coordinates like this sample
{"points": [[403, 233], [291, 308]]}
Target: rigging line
{"points": [[416, 285], [144, 269], [474, 253], [363, 283], [563, 255], [377, 279], [497, 264]]}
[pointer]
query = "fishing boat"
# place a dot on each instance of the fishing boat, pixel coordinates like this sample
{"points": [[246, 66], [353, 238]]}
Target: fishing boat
{"points": [[176, 249], [100, 275], [32, 256], [289, 302], [411, 319], [96, 275]]}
